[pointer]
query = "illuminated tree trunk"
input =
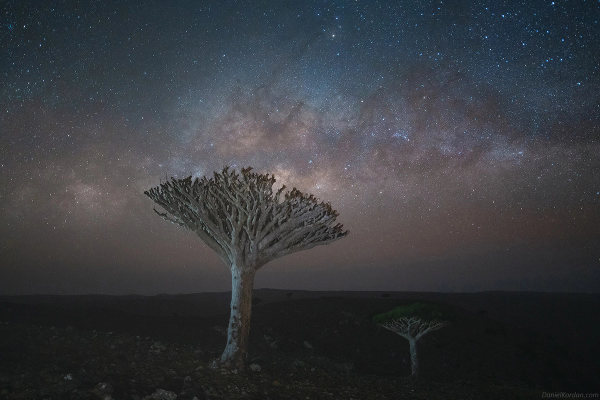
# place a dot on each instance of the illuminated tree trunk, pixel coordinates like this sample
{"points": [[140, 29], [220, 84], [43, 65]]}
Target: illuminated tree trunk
{"points": [[414, 359], [238, 332]]}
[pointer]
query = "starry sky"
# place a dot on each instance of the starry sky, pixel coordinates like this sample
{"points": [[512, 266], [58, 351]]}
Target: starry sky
{"points": [[458, 139]]}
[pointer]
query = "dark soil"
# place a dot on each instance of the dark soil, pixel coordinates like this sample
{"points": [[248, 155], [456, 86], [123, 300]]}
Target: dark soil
{"points": [[319, 348]]}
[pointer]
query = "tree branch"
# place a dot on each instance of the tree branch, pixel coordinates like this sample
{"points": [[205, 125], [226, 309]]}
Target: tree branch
{"points": [[413, 327], [238, 215]]}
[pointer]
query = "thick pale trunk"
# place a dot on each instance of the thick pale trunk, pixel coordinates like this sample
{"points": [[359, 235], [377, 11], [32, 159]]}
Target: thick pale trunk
{"points": [[238, 333], [414, 360]]}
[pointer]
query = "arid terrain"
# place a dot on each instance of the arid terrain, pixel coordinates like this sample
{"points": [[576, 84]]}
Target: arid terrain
{"points": [[303, 345]]}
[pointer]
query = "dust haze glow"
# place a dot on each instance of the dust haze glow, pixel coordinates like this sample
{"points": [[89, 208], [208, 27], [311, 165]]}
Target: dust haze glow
{"points": [[460, 142]]}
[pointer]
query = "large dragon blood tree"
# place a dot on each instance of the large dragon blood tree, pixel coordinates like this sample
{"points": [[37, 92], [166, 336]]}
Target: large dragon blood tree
{"points": [[240, 218]]}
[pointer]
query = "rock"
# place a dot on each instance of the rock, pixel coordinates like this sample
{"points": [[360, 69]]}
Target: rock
{"points": [[344, 367], [157, 347], [161, 394], [255, 367], [103, 390], [272, 342], [218, 365]]}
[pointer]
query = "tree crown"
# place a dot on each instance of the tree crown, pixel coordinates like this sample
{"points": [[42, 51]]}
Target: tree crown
{"points": [[242, 219], [421, 310]]}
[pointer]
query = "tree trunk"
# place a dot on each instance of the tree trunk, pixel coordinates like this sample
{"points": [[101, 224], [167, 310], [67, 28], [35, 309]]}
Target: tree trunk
{"points": [[414, 360], [242, 281]]}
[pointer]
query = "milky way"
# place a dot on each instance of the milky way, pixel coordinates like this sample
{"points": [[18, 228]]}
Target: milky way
{"points": [[459, 140]]}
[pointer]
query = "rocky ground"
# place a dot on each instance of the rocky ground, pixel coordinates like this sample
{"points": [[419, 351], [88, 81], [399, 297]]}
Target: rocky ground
{"points": [[308, 349], [65, 363]]}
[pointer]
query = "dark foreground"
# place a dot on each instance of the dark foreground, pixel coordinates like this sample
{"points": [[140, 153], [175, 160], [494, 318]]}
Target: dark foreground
{"points": [[309, 348]]}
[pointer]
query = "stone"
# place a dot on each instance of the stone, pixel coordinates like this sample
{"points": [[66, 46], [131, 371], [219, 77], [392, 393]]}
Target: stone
{"points": [[255, 367], [161, 394], [344, 367], [103, 390]]}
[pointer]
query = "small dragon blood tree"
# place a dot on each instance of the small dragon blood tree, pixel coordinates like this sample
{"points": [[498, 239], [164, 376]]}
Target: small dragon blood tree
{"points": [[412, 322]]}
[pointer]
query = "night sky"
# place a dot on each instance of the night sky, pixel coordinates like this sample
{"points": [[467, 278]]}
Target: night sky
{"points": [[459, 140]]}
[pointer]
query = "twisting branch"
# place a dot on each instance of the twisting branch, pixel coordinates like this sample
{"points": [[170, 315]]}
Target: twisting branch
{"points": [[413, 327], [240, 217]]}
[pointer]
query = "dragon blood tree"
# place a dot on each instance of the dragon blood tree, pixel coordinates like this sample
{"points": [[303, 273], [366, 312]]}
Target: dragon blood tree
{"points": [[412, 322], [240, 218]]}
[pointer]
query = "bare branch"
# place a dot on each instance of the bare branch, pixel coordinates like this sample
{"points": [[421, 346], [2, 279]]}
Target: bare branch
{"points": [[413, 327], [240, 217]]}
